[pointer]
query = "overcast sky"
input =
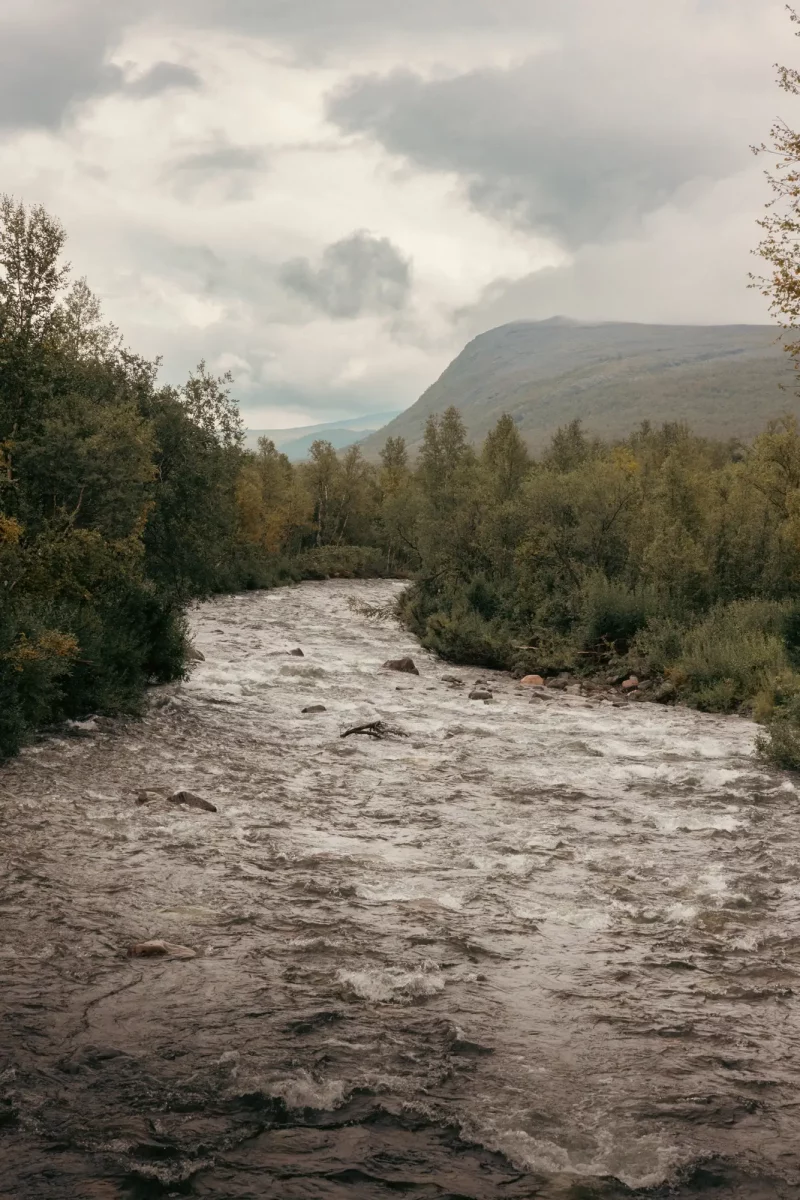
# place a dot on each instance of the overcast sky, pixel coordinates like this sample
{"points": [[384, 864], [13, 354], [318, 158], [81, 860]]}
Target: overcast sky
{"points": [[330, 197]]}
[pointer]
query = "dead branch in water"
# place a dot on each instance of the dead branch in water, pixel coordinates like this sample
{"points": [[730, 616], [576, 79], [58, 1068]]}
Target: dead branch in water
{"points": [[374, 729], [373, 612]]}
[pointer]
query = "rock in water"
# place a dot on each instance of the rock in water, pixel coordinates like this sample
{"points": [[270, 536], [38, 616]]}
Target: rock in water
{"points": [[298, 653], [630, 684], [453, 679], [192, 801], [315, 708], [481, 694], [159, 949], [401, 664], [195, 655], [149, 797], [532, 681]]}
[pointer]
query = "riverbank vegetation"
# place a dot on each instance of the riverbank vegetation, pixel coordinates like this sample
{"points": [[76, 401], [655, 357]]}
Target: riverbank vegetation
{"points": [[668, 555], [665, 555], [121, 500]]}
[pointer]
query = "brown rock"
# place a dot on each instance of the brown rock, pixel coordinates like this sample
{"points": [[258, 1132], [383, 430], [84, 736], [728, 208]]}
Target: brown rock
{"points": [[190, 800], [159, 949], [481, 694], [532, 681], [298, 653], [453, 679], [401, 664], [630, 684], [315, 708]]}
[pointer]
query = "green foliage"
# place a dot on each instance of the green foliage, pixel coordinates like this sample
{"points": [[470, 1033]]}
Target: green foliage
{"points": [[664, 554], [730, 656]]}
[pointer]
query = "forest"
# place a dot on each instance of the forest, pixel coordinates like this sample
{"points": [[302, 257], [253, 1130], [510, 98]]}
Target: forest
{"points": [[123, 500]]}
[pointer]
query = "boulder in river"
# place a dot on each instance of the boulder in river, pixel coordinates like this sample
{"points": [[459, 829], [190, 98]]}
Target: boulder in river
{"points": [[630, 684], [532, 681], [481, 694], [297, 653], [453, 679], [401, 664], [315, 708], [160, 949], [195, 655], [191, 800]]}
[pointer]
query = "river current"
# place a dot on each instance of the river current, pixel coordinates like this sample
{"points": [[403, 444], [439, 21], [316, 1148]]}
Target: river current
{"points": [[540, 946]]}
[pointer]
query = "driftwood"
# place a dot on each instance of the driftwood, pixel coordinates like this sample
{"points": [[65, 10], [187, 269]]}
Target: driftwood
{"points": [[374, 729]]}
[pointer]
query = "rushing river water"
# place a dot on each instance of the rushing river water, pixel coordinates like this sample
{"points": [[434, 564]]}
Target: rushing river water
{"points": [[536, 947]]}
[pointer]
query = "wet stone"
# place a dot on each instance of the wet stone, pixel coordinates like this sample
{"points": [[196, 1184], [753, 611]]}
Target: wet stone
{"points": [[192, 800], [297, 653], [401, 664], [481, 694], [314, 708], [160, 949]]}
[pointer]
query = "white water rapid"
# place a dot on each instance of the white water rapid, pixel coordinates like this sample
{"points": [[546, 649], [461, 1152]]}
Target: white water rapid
{"points": [[533, 946]]}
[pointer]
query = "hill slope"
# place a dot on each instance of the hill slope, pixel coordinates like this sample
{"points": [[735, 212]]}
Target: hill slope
{"points": [[725, 381], [296, 442]]}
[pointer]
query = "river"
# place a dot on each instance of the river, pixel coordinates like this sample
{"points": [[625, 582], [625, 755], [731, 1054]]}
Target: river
{"points": [[534, 947]]}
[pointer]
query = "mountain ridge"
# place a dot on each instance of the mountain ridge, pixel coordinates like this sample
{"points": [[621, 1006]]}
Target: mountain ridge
{"points": [[723, 380]]}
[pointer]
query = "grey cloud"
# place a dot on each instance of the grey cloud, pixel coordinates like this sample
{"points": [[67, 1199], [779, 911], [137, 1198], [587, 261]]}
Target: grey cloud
{"points": [[54, 55], [232, 168], [358, 274], [51, 58], [315, 27], [552, 144], [163, 77], [224, 157], [675, 271]]}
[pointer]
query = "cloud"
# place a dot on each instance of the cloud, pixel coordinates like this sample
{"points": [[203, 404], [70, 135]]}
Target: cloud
{"points": [[574, 142], [358, 274], [54, 57], [50, 57], [233, 169], [163, 77]]}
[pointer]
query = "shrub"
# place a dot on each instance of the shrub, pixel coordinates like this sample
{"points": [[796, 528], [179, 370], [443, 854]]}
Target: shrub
{"points": [[612, 613], [732, 655]]}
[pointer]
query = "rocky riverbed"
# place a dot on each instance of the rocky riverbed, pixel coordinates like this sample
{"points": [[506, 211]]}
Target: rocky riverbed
{"points": [[526, 946]]}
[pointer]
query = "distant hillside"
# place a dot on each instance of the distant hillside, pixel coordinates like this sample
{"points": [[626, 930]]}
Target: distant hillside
{"points": [[296, 443], [725, 381]]}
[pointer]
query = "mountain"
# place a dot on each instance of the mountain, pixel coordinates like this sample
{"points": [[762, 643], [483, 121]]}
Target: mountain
{"points": [[296, 442], [724, 380]]}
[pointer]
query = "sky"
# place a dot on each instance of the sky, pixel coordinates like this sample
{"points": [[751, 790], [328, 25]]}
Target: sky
{"points": [[329, 198]]}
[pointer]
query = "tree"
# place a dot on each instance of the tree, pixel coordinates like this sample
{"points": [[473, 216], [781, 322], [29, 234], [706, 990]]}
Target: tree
{"points": [[780, 244], [31, 275], [505, 458], [209, 404]]}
